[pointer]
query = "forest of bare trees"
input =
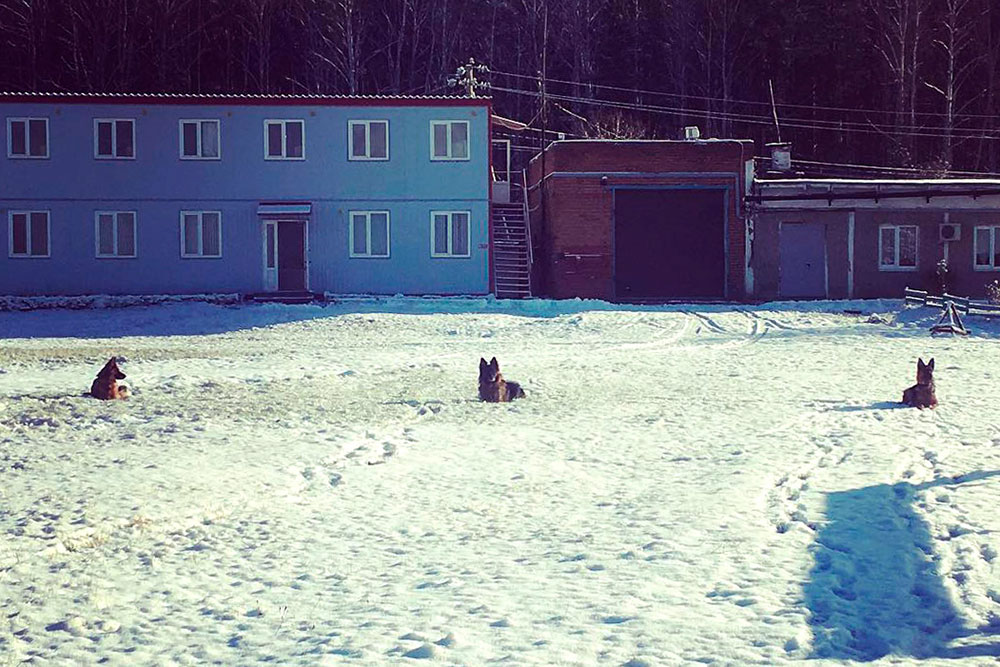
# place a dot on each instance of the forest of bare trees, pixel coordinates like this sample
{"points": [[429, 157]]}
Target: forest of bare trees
{"points": [[909, 83]]}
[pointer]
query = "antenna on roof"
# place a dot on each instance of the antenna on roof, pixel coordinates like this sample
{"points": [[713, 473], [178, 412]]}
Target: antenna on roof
{"points": [[774, 110]]}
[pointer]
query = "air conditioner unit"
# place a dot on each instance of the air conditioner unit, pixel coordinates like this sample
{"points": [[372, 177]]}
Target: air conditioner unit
{"points": [[950, 231]]}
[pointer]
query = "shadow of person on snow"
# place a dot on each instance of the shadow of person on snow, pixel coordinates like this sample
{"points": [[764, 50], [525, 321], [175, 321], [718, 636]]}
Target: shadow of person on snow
{"points": [[874, 588]]}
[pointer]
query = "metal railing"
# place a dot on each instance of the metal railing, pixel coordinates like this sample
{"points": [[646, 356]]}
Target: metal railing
{"points": [[527, 223]]}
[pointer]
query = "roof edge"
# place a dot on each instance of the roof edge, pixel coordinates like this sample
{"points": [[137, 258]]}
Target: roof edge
{"points": [[702, 140], [290, 99]]}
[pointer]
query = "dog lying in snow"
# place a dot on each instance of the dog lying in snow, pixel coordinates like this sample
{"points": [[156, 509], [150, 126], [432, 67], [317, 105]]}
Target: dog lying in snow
{"points": [[492, 387], [105, 385], [921, 395]]}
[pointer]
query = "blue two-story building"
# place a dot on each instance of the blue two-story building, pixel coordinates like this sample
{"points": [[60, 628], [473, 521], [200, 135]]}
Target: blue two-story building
{"points": [[151, 194]]}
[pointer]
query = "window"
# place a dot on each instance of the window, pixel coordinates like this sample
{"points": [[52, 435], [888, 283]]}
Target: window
{"points": [[368, 139], [986, 249], [114, 138], [29, 234], [897, 248], [199, 139], [28, 138], [201, 234], [369, 233], [284, 140], [450, 234], [114, 233], [449, 140]]}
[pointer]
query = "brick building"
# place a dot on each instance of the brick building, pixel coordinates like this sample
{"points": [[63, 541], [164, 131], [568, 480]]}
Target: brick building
{"points": [[640, 220], [867, 238]]}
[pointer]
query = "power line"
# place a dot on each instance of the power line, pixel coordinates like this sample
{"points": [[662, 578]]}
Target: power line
{"points": [[914, 130], [737, 101], [908, 170], [836, 126]]}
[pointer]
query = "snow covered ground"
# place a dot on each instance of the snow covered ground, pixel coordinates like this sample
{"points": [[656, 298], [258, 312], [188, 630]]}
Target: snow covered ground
{"points": [[311, 485]]}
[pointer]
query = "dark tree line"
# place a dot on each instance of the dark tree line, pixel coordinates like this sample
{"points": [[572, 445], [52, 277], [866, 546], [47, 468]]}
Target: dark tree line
{"points": [[912, 83]]}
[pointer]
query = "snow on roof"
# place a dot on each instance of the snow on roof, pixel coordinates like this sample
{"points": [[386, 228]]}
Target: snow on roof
{"points": [[868, 182], [509, 124]]}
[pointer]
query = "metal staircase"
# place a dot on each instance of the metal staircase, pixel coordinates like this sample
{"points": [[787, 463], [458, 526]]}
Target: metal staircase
{"points": [[511, 249]]}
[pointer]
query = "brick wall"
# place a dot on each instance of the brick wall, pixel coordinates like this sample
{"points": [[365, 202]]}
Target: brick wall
{"points": [[574, 234]]}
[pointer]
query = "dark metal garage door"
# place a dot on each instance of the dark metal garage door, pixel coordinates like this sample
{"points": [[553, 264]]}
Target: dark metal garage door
{"points": [[670, 244]]}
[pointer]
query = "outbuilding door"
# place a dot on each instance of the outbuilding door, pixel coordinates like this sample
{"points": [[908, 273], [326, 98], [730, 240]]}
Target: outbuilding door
{"points": [[670, 243], [803, 260]]}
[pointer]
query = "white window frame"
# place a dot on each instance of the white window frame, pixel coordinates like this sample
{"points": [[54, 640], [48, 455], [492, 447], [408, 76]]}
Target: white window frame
{"points": [[97, 235], [27, 138], [895, 265], [451, 234], [351, 124], [10, 235], [114, 139], [284, 138], [994, 232], [368, 235], [449, 157], [201, 237], [198, 122]]}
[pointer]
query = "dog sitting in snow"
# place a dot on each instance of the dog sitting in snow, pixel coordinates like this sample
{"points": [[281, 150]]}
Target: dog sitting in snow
{"points": [[921, 395], [492, 387], [105, 385]]}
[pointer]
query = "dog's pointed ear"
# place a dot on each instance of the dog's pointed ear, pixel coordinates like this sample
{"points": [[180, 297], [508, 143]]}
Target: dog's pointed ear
{"points": [[494, 363], [930, 364], [920, 362], [482, 363]]}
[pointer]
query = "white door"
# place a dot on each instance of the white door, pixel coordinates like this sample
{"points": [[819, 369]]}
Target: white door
{"points": [[270, 256]]}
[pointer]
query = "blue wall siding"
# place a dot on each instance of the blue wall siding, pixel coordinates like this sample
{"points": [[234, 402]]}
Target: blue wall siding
{"points": [[158, 268], [410, 245], [157, 184]]}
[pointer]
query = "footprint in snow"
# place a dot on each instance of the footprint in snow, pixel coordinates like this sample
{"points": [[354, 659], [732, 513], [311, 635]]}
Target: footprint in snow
{"points": [[422, 652], [616, 620]]}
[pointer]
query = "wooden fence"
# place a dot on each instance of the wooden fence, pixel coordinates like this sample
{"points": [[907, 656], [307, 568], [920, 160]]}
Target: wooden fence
{"points": [[962, 304]]}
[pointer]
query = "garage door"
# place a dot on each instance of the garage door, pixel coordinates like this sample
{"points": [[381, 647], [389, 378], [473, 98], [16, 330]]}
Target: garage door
{"points": [[670, 244]]}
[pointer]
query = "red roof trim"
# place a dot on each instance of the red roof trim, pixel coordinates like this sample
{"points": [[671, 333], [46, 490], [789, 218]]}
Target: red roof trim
{"points": [[246, 100]]}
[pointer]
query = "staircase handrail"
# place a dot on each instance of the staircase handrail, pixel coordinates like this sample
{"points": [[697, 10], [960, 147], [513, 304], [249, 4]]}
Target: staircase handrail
{"points": [[527, 223]]}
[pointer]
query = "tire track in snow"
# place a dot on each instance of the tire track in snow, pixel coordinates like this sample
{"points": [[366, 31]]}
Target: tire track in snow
{"points": [[769, 321], [758, 328]]}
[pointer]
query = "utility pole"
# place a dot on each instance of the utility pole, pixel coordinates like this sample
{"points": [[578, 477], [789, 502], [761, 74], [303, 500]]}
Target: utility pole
{"points": [[543, 245], [465, 76]]}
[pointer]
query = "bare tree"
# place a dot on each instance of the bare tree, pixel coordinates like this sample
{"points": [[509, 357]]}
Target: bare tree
{"points": [[678, 34], [957, 44], [28, 23], [896, 27]]}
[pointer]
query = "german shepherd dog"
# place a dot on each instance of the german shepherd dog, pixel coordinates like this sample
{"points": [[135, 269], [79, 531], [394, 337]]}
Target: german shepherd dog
{"points": [[921, 395], [105, 385], [492, 387]]}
